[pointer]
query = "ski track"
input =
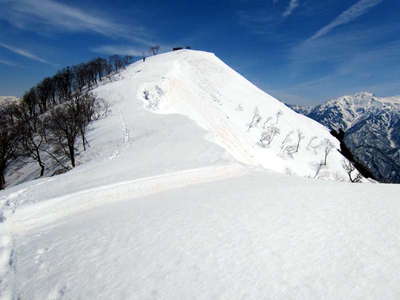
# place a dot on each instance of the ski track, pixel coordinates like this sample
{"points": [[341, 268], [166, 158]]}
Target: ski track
{"points": [[124, 128], [41, 214]]}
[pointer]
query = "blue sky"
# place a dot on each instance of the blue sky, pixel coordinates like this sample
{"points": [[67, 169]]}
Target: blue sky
{"points": [[300, 51]]}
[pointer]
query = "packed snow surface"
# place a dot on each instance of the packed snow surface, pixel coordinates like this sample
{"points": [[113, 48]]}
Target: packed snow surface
{"points": [[173, 200]]}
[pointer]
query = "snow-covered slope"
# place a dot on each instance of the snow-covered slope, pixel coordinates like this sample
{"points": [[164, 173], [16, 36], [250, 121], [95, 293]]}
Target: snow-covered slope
{"points": [[371, 126], [170, 202], [249, 124], [214, 233]]}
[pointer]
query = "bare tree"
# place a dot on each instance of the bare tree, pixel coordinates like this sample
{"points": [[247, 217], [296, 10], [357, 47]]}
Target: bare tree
{"points": [[127, 59], [101, 109], [70, 120], [287, 146], [286, 140], [310, 143], [266, 122], [289, 150], [63, 126], [300, 137], [328, 146], [350, 169], [63, 83], [84, 107], [318, 169], [31, 100], [32, 136], [278, 116], [155, 49], [116, 61], [255, 119], [45, 94], [268, 135], [9, 139]]}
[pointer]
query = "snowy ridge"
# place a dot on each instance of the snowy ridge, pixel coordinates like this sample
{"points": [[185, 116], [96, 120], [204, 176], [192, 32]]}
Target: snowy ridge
{"points": [[238, 115]]}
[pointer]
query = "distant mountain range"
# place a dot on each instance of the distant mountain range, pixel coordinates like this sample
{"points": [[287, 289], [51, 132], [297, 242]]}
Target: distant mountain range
{"points": [[7, 99], [368, 127]]}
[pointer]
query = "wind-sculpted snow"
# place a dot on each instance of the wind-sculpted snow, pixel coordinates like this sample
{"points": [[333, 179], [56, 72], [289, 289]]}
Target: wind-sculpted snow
{"points": [[252, 126]]}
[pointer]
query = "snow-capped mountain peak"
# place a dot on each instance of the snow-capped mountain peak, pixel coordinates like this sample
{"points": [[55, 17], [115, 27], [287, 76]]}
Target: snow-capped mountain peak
{"points": [[371, 131], [345, 111]]}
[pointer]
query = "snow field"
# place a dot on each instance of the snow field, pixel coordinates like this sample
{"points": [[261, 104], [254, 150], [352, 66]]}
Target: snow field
{"points": [[172, 200], [256, 236]]}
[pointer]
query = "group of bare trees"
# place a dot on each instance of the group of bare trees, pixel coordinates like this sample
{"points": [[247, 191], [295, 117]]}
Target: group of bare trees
{"points": [[54, 115], [292, 141], [53, 134], [9, 138]]}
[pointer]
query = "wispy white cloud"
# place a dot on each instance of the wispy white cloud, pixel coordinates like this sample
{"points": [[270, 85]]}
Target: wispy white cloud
{"points": [[293, 4], [120, 50], [352, 13], [341, 48], [51, 15], [24, 53], [346, 62], [8, 63]]}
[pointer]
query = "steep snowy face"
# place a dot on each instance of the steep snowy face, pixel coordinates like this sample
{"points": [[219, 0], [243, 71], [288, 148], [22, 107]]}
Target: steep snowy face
{"points": [[375, 141], [345, 111], [253, 127]]}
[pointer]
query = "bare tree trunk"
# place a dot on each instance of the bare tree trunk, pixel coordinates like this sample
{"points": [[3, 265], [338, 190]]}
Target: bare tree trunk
{"points": [[84, 141], [2, 179], [72, 154], [42, 166], [56, 159]]}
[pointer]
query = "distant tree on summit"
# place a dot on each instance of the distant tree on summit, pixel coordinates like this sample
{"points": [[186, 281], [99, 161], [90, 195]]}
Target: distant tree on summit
{"points": [[155, 49]]}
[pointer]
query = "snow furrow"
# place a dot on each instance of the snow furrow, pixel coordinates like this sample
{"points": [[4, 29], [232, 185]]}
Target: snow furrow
{"points": [[30, 217]]}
